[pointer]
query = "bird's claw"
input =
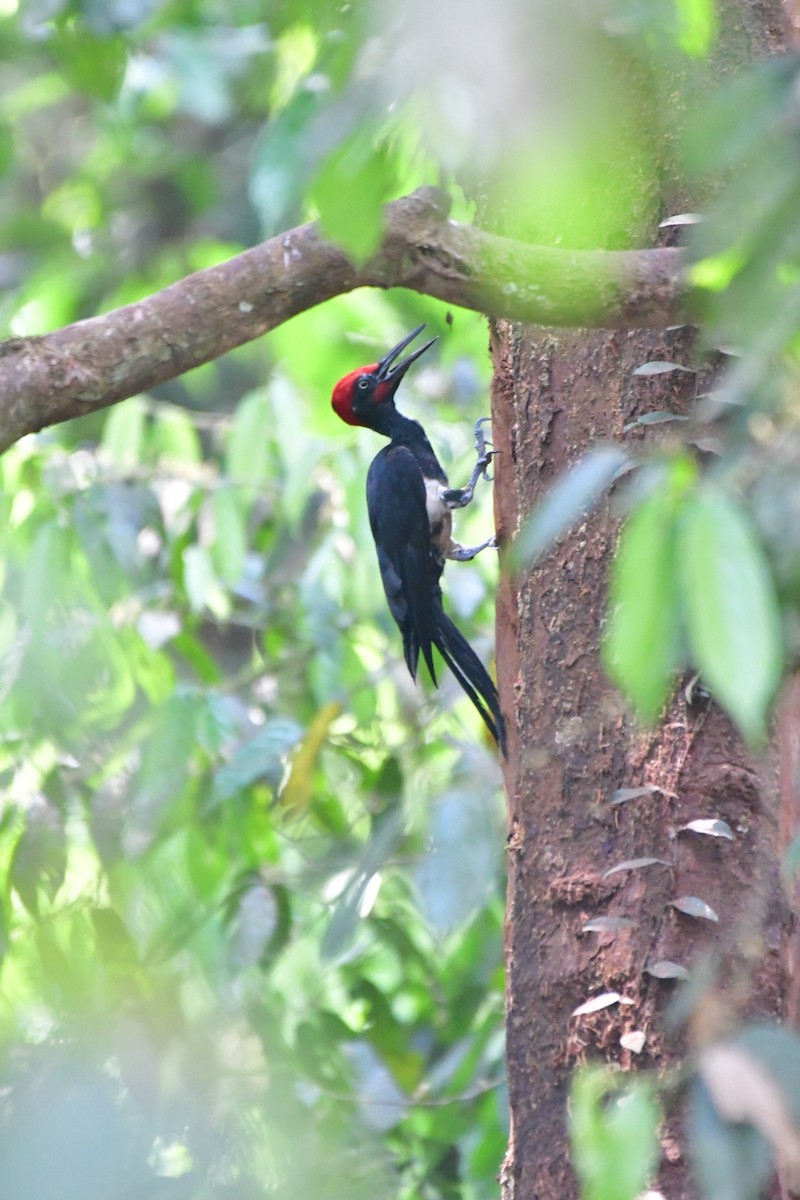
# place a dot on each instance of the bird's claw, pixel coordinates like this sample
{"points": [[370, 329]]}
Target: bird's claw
{"points": [[466, 553], [484, 450], [460, 497]]}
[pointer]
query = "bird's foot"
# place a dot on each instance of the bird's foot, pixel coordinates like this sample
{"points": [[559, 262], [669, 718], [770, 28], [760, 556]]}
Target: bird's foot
{"points": [[461, 497], [483, 449], [461, 553]]}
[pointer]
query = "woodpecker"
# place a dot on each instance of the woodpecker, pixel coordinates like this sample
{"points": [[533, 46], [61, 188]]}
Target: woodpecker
{"points": [[410, 505]]}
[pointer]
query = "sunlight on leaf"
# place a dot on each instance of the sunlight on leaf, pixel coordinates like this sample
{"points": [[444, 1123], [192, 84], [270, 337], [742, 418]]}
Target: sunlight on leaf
{"points": [[716, 272], [697, 26], [296, 790]]}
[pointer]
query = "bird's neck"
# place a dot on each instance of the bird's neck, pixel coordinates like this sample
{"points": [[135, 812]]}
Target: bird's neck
{"points": [[399, 429], [403, 431]]}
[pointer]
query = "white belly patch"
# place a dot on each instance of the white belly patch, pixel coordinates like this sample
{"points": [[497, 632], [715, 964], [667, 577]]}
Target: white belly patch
{"points": [[440, 517], [434, 502]]}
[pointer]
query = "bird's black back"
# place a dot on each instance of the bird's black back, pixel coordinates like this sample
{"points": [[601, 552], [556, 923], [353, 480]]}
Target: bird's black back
{"points": [[411, 570], [398, 517]]}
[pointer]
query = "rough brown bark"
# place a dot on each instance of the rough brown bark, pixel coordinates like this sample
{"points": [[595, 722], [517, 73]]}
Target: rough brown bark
{"points": [[105, 359], [557, 394], [573, 746], [789, 748]]}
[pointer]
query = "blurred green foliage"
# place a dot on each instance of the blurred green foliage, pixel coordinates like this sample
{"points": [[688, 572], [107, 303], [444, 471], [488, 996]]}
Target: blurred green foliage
{"points": [[252, 907], [614, 1123], [251, 903], [709, 575], [251, 912]]}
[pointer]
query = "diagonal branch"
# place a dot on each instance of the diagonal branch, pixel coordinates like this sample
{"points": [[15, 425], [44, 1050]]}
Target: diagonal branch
{"points": [[97, 362]]}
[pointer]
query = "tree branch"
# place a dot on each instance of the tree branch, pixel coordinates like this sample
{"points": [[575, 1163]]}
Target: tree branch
{"points": [[94, 363]]}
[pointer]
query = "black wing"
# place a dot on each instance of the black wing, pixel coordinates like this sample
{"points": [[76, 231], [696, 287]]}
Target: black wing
{"points": [[398, 516]]}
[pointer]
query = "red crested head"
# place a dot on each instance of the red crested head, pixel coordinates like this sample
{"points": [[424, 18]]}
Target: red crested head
{"points": [[361, 397], [347, 393]]}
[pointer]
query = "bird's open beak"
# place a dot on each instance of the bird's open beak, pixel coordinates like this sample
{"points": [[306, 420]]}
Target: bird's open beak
{"points": [[387, 373]]}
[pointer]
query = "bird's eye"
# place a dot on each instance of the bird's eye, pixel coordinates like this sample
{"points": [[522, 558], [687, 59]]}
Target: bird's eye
{"points": [[363, 383]]}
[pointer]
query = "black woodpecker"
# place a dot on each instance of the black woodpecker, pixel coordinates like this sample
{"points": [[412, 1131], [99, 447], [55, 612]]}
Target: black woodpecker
{"points": [[410, 505]]}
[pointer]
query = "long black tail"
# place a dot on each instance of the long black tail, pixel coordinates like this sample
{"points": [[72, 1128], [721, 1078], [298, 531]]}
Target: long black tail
{"points": [[470, 673]]}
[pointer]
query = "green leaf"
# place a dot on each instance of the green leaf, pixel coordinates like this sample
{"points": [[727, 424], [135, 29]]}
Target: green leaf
{"points": [[201, 583], [46, 575], [281, 159], [716, 271], [570, 498], [260, 921], [641, 648], [732, 613], [207, 861], [123, 433], [247, 455], [174, 438], [218, 721], [4, 928], [152, 670], [165, 770], [347, 911], [697, 26], [263, 756], [114, 942], [197, 656], [94, 65], [457, 869], [229, 547], [613, 1134], [350, 190], [39, 860]]}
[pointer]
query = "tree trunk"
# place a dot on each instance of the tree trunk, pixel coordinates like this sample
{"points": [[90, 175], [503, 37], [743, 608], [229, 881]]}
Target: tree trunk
{"points": [[573, 746]]}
